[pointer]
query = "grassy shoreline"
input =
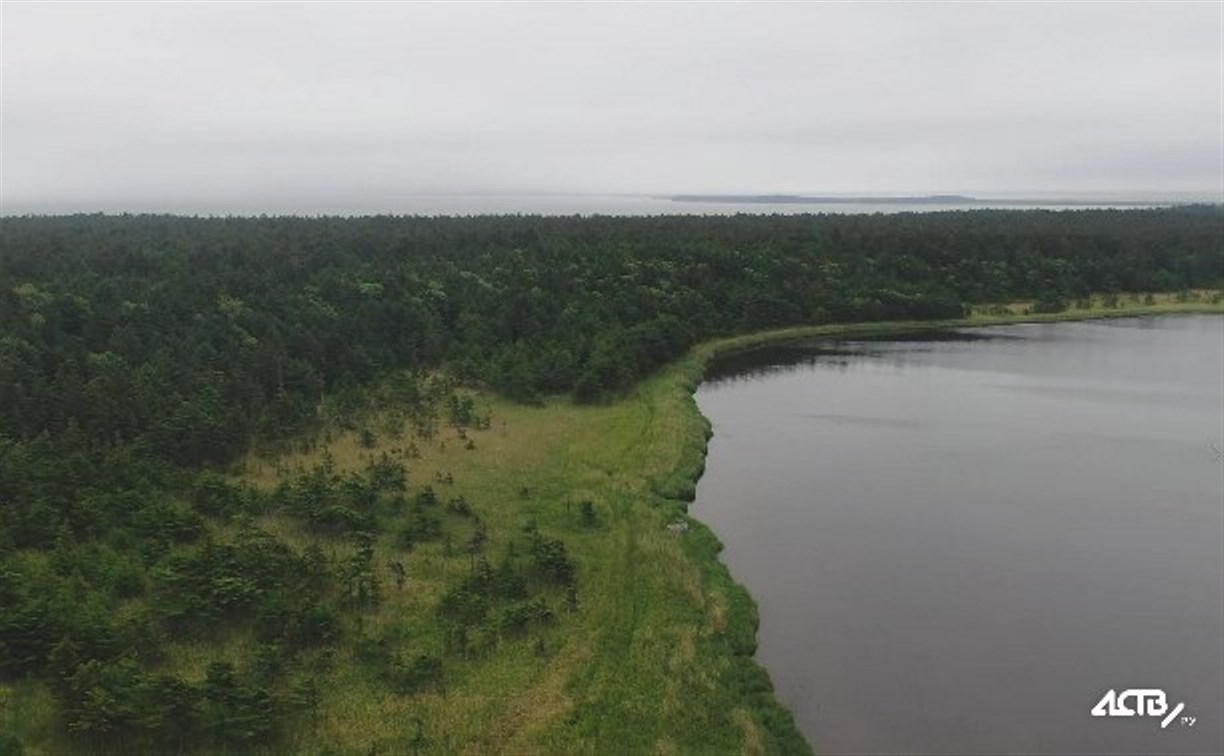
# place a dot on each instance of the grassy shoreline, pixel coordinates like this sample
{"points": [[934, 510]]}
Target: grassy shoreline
{"points": [[658, 657], [680, 484]]}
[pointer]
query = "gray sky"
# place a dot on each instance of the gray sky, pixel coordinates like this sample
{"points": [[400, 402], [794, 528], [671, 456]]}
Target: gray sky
{"points": [[250, 107]]}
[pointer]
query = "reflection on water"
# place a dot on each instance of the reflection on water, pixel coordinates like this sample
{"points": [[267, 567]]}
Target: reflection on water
{"points": [[779, 358], [960, 542]]}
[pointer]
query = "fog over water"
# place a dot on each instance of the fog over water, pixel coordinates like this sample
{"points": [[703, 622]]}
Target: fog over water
{"points": [[959, 545]]}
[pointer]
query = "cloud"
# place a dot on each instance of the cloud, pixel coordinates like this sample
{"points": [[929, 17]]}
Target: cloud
{"points": [[283, 106]]}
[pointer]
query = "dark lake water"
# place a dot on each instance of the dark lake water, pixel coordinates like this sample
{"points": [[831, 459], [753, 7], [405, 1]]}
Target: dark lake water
{"points": [[959, 544]]}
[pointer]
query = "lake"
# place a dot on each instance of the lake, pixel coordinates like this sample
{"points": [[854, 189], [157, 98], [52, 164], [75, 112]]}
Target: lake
{"points": [[960, 542]]}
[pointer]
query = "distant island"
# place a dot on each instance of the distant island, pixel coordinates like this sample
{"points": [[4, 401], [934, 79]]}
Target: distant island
{"points": [[928, 199]]}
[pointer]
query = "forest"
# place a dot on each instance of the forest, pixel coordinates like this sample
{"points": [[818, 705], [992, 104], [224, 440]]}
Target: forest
{"points": [[145, 360]]}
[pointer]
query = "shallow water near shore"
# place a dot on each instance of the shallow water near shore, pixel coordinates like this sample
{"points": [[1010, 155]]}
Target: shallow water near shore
{"points": [[960, 542]]}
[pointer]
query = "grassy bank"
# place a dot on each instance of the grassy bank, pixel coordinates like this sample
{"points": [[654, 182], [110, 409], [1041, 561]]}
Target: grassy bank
{"points": [[657, 656]]}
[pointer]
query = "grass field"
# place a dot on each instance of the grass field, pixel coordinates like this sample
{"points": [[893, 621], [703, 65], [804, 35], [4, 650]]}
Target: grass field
{"points": [[657, 657]]}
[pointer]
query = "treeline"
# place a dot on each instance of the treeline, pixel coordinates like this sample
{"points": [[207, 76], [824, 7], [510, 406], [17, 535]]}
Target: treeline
{"points": [[189, 336]]}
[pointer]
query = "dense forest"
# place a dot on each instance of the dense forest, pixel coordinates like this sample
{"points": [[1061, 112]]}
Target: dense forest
{"points": [[140, 356], [187, 336]]}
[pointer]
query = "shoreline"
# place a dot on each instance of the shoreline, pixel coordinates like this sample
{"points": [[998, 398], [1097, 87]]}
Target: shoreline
{"points": [[659, 656], [679, 487]]}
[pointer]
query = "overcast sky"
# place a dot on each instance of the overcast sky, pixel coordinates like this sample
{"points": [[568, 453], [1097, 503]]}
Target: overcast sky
{"points": [[281, 106]]}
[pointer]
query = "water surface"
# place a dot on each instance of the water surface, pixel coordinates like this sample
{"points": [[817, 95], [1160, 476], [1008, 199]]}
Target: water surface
{"points": [[959, 543]]}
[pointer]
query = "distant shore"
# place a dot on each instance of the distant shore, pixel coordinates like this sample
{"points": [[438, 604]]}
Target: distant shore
{"points": [[927, 199]]}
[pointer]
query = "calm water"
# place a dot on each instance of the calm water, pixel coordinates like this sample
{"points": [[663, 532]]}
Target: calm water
{"points": [[958, 545]]}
